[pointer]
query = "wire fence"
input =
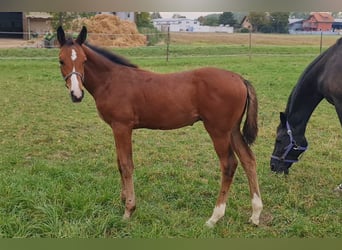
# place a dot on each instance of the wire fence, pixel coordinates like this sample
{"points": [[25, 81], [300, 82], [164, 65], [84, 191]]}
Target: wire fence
{"points": [[246, 45]]}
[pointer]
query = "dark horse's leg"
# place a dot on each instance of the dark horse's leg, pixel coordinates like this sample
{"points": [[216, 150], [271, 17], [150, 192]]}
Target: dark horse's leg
{"points": [[248, 163], [228, 164], [123, 144], [338, 108]]}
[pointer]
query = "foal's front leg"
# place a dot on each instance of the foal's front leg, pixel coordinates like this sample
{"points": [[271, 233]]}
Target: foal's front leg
{"points": [[123, 144]]}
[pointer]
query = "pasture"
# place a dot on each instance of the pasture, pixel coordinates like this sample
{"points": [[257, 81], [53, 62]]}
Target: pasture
{"points": [[58, 169]]}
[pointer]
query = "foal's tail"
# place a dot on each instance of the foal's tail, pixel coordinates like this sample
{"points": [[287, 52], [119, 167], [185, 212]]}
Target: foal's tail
{"points": [[250, 127]]}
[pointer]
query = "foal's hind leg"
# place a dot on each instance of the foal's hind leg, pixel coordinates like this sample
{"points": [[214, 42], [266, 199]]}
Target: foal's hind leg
{"points": [[248, 163], [228, 164]]}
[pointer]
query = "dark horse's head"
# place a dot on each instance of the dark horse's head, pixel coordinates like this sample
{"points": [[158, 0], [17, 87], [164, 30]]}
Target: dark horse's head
{"points": [[289, 145]]}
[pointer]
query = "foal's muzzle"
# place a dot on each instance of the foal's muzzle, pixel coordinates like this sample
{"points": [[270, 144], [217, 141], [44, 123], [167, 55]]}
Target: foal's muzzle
{"points": [[75, 98]]}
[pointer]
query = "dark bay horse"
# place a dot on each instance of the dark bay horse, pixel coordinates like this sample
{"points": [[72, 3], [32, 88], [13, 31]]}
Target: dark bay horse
{"points": [[321, 79], [128, 98]]}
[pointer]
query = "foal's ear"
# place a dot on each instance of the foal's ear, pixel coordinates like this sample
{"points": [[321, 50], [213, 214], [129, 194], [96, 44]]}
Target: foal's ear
{"points": [[60, 36], [82, 36], [283, 118]]}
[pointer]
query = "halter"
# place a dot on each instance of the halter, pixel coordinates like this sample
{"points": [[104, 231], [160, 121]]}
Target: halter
{"points": [[293, 145], [76, 73]]}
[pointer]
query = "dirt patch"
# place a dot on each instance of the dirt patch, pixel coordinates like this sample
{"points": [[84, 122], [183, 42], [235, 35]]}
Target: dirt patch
{"points": [[110, 31], [11, 43]]}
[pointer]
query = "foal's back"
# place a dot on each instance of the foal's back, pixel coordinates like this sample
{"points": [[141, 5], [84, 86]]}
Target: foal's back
{"points": [[167, 101]]}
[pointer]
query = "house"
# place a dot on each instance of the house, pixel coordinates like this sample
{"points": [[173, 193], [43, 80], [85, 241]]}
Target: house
{"points": [[24, 25], [245, 23], [11, 25], [36, 24], [318, 21], [295, 25], [187, 25], [175, 24], [337, 25], [130, 16]]}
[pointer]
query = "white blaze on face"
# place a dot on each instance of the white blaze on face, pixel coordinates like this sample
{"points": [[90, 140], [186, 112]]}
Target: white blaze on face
{"points": [[75, 86], [73, 55]]}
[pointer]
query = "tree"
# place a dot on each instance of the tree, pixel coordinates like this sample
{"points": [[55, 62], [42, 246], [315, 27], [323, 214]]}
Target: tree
{"points": [[258, 20], [155, 15], [211, 20], [279, 21], [145, 26], [227, 18], [299, 15], [143, 19], [201, 20], [62, 19], [178, 16]]}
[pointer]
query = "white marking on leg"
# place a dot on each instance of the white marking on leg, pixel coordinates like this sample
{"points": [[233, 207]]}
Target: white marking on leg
{"points": [[73, 55], [75, 86], [257, 208], [217, 214]]}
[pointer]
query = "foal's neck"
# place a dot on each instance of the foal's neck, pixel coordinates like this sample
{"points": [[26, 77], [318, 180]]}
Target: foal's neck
{"points": [[98, 71]]}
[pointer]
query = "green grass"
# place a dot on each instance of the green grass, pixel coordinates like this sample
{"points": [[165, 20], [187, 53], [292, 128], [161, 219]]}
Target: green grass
{"points": [[58, 170]]}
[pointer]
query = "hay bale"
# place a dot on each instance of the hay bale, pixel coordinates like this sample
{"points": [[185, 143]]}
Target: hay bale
{"points": [[110, 31]]}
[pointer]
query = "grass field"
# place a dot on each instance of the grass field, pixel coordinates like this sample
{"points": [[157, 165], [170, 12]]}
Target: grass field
{"points": [[58, 170]]}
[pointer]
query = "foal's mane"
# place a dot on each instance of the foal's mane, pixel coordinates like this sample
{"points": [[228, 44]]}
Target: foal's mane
{"points": [[111, 56]]}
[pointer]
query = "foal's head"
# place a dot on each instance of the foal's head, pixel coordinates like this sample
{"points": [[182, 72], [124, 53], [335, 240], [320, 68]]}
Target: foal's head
{"points": [[287, 148], [72, 59]]}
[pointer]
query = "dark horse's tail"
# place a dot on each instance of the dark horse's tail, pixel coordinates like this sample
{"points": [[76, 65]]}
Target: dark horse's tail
{"points": [[250, 127]]}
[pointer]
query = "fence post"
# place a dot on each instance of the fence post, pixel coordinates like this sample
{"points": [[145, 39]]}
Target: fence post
{"points": [[320, 45], [167, 43], [250, 45]]}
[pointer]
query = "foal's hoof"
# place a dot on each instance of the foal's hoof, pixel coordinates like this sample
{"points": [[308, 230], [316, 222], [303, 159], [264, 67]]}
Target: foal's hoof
{"points": [[210, 224], [338, 189], [126, 216], [254, 221]]}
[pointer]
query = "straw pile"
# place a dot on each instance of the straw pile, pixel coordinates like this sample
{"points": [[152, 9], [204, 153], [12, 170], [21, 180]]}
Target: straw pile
{"points": [[110, 31]]}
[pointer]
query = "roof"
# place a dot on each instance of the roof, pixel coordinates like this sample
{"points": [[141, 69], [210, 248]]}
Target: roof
{"points": [[322, 17], [44, 15], [171, 19], [295, 20]]}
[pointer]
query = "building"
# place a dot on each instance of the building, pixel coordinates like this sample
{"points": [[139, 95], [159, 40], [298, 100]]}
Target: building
{"points": [[295, 25], [130, 16], [245, 23], [11, 25], [175, 24], [24, 25], [318, 21], [337, 25], [36, 24], [187, 25]]}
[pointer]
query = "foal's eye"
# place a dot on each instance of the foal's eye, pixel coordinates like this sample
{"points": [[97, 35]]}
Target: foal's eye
{"points": [[61, 62]]}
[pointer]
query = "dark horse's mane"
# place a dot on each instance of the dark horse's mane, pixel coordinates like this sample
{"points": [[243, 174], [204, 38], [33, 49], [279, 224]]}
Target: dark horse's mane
{"points": [[111, 56], [311, 69], [321, 59], [106, 53]]}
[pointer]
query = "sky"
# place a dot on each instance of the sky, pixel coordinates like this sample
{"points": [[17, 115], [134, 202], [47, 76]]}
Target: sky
{"points": [[190, 15]]}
